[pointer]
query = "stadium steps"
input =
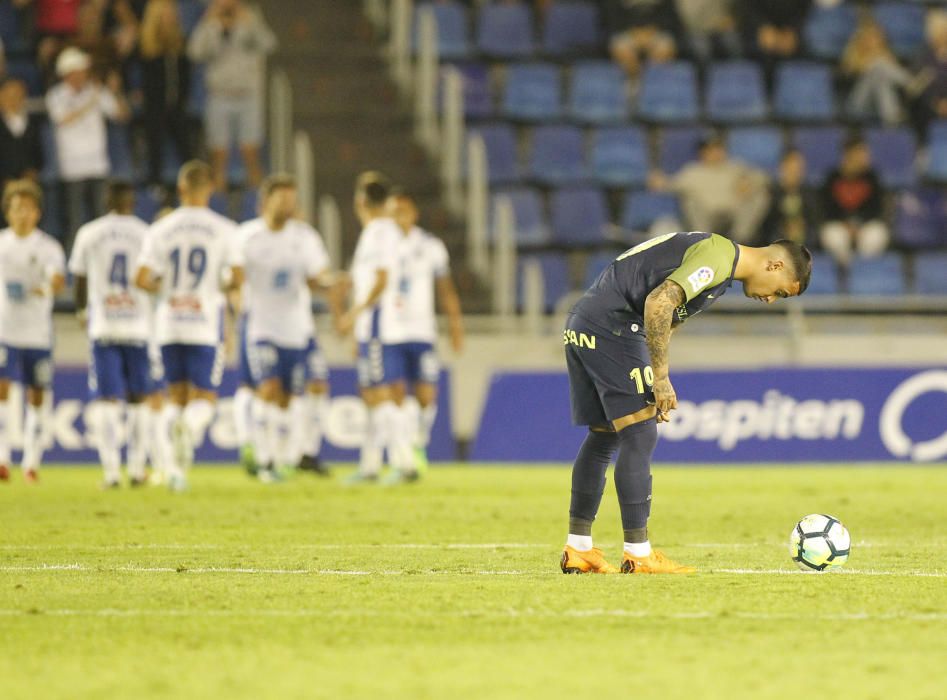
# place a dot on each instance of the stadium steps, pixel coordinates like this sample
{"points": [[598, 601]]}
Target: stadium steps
{"points": [[357, 119]]}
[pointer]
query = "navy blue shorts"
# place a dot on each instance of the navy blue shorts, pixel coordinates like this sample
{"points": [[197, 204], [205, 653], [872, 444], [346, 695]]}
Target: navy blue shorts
{"points": [[411, 362], [609, 376], [201, 366], [317, 369], [269, 361], [30, 367], [119, 371], [244, 375]]}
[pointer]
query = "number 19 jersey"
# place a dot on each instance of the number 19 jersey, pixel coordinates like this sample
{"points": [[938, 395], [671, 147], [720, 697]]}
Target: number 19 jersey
{"points": [[189, 250]]}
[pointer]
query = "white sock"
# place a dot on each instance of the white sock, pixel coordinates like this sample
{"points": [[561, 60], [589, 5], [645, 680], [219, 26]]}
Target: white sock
{"points": [[426, 423], [171, 416], [4, 436], [108, 439], [298, 429], [161, 453], [198, 415], [387, 416], [32, 437], [401, 439], [581, 543], [370, 455], [261, 433], [243, 415], [638, 549], [47, 422], [139, 433], [280, 429], [411, 411], [318, 413]]}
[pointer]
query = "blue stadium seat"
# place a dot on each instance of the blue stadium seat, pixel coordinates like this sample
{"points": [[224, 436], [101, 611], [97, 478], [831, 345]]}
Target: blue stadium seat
{"points": [[29, 73], [9, 24], [529, 216], [822, 149], [555, 268], [903, 24], [598, 94], [619, 156], [678, 146], [505, 30], [570, 26], [929, 275], [669, 93], [893, 152], [500, 143], [828, 29], [759, 146], [190, 12], [937, 151], [594, 266], [920, 219], [249, 205], [735, 92], [642, 209], [578, 216], [453, 30], [120, 152], [478, 99], [881, 276], [50, 172], [218, 203], [533, 92], [825, 275], [557, 155], [197, 99], [51, 222], [147, 205], [803, 92]]}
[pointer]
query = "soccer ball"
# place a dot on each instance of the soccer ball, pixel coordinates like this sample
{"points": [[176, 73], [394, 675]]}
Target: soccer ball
{"points": [[819, 543]]}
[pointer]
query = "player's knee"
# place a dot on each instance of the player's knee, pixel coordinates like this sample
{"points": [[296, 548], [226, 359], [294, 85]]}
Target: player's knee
{"points": [[317, 388], [34, 396], [269, 390], [426, 394]]}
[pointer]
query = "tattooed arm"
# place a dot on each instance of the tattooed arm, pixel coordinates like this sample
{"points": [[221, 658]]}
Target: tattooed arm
{"points": [[658, 317]]}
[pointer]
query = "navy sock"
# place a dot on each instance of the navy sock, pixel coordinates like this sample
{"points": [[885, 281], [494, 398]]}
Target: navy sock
{"points": [[633, 473], [588, 480]]}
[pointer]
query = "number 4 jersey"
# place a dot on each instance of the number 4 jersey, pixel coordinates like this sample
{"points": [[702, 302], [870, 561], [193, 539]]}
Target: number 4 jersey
{"points": [[189, 250], [106, 253]]}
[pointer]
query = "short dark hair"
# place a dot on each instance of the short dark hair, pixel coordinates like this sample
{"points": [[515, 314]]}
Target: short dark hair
{"points": [[852, 142], [801, 260], [374, 187], [277, 181], [398, 192], [119, 194]]}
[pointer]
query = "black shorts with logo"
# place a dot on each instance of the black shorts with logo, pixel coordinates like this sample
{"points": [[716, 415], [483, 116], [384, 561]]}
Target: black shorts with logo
{"points": [[610, 376]]}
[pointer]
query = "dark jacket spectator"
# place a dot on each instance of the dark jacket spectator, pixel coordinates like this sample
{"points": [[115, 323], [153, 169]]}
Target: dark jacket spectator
{"points": [[772, 28], [21, 153], [641, 31], [932, 71], [793, 208]]}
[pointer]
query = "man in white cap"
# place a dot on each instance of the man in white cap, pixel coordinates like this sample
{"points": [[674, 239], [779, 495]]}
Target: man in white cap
{"points": [[78, 106]]}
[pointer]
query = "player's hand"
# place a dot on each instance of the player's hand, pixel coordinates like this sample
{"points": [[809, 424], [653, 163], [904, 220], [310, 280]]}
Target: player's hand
{"points": [[457, 338], [345, 323], [665, 400]]}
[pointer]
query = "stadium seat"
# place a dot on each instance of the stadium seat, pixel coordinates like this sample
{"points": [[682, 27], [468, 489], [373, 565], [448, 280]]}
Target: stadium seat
{"points": [[828, 29], [249, 204], [218, 203], [759, 146], [903, 24], [505, 30], [881, 276], [533, 92], [9, 24], [822, 149], [642, 209], [598, 93], [147, 205], [735, 92], [529, 216], [825, 275], [500, 143], [920, 219], [594, 266], [619, 156], [197, 99], [669, 93], [929, 273], [557, 155], [578, 216], [678, 146], [937, 151], [120, 152], [893, 152], [478, 99], [50, 172], [29, 73], [803, 92], [453, 30], [190, 12], [570, 26], [555, 269]]}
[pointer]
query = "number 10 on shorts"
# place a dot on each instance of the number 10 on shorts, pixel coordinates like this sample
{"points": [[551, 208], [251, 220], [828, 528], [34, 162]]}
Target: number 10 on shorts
{"points": [[641, 377]]}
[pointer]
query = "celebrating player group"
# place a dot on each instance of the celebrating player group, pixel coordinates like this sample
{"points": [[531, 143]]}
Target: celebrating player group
{"points": [[158, 302]]}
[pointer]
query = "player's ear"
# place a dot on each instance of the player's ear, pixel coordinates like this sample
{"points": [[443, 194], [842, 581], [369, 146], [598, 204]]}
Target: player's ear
{"points": [[774, 265]]}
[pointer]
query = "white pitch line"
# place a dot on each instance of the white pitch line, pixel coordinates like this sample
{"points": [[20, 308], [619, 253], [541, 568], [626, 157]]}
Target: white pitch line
{"points": [[384, 545]]}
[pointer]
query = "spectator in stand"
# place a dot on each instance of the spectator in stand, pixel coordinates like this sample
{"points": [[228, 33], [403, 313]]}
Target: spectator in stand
{"points": [[852, 204], [21, 154], [877, 75], [78, 107], [234, 41], [772, 28], [108, 31], [641, 31], [165, 73], [719, 194], [793, 209], [932, 71], [710, 28], [56, 22]]}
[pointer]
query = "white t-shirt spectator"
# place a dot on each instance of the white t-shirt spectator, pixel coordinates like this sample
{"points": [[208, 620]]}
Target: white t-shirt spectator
{"points": [[81, 144]]}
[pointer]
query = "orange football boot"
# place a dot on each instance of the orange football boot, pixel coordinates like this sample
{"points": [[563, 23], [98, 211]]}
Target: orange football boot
{"points": [[591, 562], [654, 563]]}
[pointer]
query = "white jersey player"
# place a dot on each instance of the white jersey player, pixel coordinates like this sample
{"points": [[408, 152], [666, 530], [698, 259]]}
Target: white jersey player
{"points": [[190, 256], [32, 272], [102, 263]]}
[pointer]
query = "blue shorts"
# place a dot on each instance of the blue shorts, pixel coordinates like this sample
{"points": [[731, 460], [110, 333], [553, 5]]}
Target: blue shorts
{"points": [[610, 376], [199, 365], [244, 375], [119, 371], [269, 361], [370, 365], [411, 362], [317, 369], [30, 367]]}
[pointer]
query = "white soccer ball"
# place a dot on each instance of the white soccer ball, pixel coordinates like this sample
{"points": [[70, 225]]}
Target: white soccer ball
{"points": [[819, 543]]}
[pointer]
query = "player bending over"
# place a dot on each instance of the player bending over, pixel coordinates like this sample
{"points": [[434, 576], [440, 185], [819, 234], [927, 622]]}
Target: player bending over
{"points": [[410, 357], [119, 324], [616, 342], [32, 272], [189, 258], [285, 260]]}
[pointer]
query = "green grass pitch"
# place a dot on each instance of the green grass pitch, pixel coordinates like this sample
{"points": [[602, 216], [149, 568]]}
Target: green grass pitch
{"points": [[450, 589]]}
